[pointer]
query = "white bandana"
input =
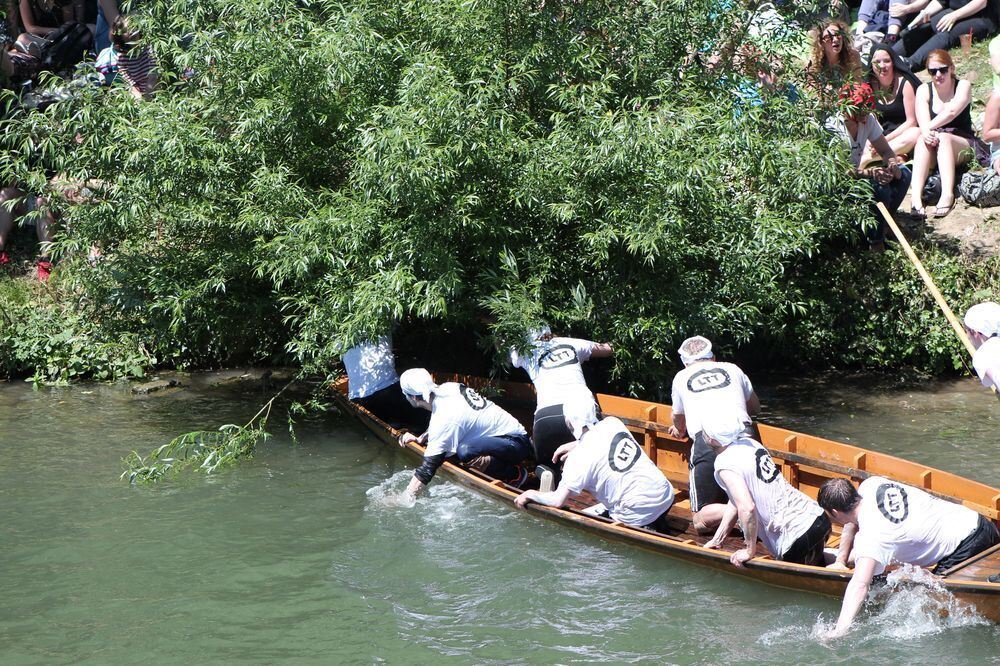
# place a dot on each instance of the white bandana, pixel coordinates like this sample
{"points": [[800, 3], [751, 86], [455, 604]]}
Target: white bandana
{"points": [[417, 382], [984, 318], [704, 354]]}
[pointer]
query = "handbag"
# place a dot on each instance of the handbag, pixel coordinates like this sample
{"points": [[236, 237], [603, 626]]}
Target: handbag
{"points": [[981, 189]]}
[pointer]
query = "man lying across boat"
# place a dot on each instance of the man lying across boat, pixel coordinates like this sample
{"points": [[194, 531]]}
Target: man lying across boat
{"points": [[792, 526], [606, 462], [889, 522], [706, 392], [554, 366], [466, 425], [982, 321], [372, 382]]}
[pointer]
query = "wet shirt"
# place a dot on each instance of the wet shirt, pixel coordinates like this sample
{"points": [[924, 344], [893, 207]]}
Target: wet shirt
{"points": [[783, 512], [459, 414], [902, 524], [555, 370], [611, 466], [371, 367], [987, 359], [708, 389]]}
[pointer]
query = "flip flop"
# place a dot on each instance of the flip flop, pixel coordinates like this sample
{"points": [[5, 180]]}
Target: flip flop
{"points": [[918, 213], [943, 211]]}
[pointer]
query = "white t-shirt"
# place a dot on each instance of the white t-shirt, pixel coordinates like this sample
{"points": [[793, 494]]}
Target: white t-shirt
{"points": [[554, 369], [371, 367], [459, 414], [900, 523], [869, 129], [783, 512], [708, 389], [987, 359], [610, 465]]}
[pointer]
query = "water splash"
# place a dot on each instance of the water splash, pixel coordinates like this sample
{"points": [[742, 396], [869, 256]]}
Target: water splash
{"points": [[391, 493], [446, 506]]}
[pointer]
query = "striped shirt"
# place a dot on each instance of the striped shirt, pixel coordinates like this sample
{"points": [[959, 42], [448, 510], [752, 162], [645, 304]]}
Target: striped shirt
{"points": [[135, 69]]}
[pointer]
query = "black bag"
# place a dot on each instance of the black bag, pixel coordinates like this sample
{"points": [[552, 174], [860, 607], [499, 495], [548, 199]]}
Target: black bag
{"points": [[980, 189], [67, 46], [932, 188]]}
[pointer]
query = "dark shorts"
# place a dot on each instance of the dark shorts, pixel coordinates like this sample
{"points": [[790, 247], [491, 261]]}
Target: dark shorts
{"points": [[808, 548], [389, 405], [549, 433], [702, 487], [984, 536]]}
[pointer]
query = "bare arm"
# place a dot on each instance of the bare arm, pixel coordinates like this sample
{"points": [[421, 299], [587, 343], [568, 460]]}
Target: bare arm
{"points": [[555, 497], [739, 495], [415, 486], [883, 148], [753, 404], [909, 101], [28, 19], [854, 596], [679, 427], [963, 94], [601, 350], [725, 527], [991, 122], [846, 543]]}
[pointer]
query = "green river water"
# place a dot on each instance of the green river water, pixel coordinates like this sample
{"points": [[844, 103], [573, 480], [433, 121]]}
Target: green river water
{"points": [[291, 557]]}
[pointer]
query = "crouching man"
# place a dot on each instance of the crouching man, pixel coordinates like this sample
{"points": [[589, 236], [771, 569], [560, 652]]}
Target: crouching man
{"points": [[885, 522], [606, 462], [791, 525], [466, 425]]}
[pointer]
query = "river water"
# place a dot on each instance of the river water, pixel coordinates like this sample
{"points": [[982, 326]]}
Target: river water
{"points": [[291, 556]]}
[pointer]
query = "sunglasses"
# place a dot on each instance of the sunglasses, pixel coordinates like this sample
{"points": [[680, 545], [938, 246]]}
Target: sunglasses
{"points": [[934, 71], [830, 38]]}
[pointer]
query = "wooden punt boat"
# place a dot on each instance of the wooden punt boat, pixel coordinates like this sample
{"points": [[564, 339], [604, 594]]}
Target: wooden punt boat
{"points": [[805, 461]]}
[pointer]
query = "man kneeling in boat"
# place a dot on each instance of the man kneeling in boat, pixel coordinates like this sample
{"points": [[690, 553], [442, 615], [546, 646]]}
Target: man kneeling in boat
{"points": [[885, 522], [705, 392], [466, 425], [791, 525], [606, 462]]}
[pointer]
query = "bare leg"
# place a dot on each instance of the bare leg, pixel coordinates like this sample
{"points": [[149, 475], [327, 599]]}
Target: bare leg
{"points": [[706, 520], [43, 227], [949, 149], [905, 142], [923, 160]]}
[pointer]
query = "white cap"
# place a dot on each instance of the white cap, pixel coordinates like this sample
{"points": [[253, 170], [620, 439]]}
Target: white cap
{"points": [[726, 431], [984, 318], [539, 333], [691, 349], [580, 414], [417, 382]]}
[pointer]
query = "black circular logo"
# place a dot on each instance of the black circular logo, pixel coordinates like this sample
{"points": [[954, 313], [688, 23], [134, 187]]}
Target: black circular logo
{"points": [[623, 453], [557, 356], [892, 502], [767, 471], [475, 400], [708, 379]]}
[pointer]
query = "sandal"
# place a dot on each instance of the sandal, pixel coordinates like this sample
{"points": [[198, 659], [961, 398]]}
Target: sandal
{"points": [[918, 213], [941, 211]]}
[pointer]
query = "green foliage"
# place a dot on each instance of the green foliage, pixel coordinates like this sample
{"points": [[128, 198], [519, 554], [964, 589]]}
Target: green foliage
{"points": [[333, 168], [205, 451]]}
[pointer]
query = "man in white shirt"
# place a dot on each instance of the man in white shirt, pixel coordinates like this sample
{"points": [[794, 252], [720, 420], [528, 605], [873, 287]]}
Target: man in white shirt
{"points": [[465, 425], [982, 322], [554, 365], [372, 382], [792, 526], [607, 462], [707, 391], [887, 522]]}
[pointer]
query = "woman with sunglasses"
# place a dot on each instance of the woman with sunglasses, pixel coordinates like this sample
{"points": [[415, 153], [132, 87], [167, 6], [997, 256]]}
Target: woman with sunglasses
{"points": [[941, 23], [946, 136], [834, 60], [895, 89]]}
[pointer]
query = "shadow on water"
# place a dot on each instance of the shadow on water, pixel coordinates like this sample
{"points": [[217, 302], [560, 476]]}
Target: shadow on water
{"points": [[292, 555]]}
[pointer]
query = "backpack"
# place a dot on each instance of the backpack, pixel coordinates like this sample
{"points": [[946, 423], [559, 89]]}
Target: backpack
{"points": [[67, 46], [981, 188]]}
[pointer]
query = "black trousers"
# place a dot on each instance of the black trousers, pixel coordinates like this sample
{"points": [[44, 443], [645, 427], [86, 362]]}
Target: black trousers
{"points": [[808, 548], [920, 41], [548, 433], [389, 405], [984, 536]]}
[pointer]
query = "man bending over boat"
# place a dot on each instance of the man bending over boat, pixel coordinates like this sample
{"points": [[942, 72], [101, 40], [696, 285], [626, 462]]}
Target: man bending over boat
{"points": [[792, 526], [554, 366], [466, 425], [372, 382], [708, 392], [982, 321], [606, 462], [888, 522]]}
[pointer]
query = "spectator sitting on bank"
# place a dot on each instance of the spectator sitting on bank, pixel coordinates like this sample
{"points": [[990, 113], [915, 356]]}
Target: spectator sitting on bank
{"points": [[895, 89], [15, 204], [943, 108], [875, 16], [42, 17], [889, 180], [128, 57], [991, 129], [940, 25], [107, 12], [834, 60]]}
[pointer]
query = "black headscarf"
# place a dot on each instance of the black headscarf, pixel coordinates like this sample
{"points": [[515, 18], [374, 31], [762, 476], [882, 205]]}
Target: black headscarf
{"points": [[898, 66]]}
